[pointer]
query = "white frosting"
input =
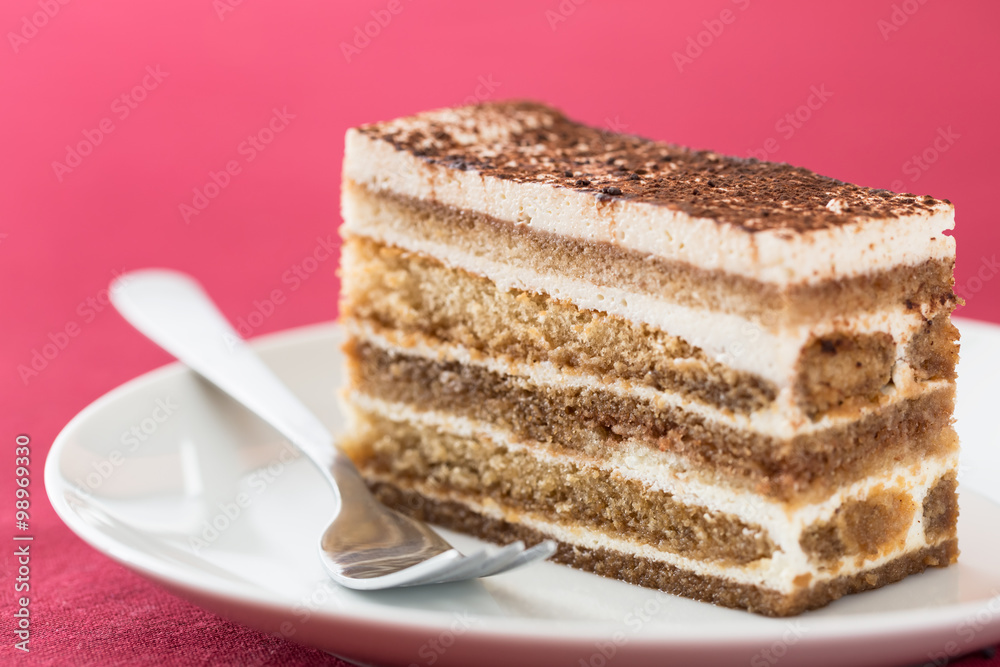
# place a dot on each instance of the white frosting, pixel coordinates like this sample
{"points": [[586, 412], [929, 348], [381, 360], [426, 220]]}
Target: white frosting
{"points": [[783, 523], [773, 256]]}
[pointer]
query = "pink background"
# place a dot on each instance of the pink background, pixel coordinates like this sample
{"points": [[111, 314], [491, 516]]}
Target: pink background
{"points": [[893, 83]]}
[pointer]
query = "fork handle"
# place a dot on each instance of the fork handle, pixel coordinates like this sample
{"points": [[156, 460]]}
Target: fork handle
{"points": [[173, 311]]}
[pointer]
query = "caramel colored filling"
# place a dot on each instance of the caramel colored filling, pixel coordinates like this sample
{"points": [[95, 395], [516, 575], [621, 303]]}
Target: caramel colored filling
{"points": [[867, 528], [838, 367], [941, 509], [933, 351]]}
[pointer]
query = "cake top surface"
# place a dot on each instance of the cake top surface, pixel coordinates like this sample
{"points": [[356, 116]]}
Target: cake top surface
{"points": [[528, 142]]}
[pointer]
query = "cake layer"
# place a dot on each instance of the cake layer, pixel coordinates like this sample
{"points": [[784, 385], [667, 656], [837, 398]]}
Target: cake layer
{"points": [[396, 291], [925, 285], [524, 480], [932, 351], [595, 419], [652, 573], [419, 297], [727, 337], [525, 163]]}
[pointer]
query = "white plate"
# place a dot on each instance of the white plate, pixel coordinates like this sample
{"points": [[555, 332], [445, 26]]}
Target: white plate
{"points": [[147, 467]]}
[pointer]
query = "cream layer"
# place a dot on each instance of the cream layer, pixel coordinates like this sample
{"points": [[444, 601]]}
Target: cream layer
{"points": [[774, 256], [783, 524]]}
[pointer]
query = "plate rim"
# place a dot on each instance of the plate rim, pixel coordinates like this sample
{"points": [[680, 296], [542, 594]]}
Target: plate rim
{"points": [[856, 626]]}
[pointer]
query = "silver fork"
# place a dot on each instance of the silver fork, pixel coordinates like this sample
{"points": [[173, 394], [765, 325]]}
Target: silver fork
{"points": [[367, 546]]}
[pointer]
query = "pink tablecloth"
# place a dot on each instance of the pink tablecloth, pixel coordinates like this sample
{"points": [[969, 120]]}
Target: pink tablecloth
{"points": [[207, 136]]}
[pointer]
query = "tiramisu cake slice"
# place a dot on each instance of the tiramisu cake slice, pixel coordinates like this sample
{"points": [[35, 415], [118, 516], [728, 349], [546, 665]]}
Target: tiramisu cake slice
{"points": [[726, 379]]}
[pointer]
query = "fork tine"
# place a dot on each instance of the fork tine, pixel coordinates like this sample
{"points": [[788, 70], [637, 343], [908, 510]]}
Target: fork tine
{"points": [[427, 569], [452, 566], [495, 560], [465, 568], [501, 559], [482, 564], [540, 551], [446, 572]]}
